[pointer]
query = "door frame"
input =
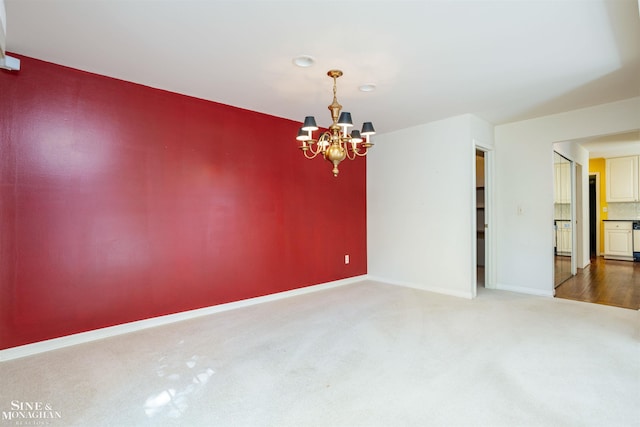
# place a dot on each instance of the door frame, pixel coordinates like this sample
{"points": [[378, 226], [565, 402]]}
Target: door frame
{"points": [[576, 216], [489, 232], [597, 212]]}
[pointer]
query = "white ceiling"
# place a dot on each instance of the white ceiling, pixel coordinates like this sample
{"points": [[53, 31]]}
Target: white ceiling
{"points": [[502, 60], [618, 145]]}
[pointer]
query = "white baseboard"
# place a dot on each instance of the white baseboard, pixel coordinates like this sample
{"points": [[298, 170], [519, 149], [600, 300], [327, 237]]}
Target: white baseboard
{"points": [[97, 334], [423, 287], [525, 290]]}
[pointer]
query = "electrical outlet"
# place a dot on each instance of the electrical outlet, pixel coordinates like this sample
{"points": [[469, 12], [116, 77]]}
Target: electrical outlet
{"points": [[346, 259]]}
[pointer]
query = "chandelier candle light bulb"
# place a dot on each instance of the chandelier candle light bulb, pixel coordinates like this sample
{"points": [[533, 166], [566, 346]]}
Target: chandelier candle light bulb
{"points": [[335, 144]]}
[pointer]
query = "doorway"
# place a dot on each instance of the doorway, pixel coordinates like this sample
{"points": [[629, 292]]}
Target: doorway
{"points": [[481, 219], [483, 247], [594, 215]]}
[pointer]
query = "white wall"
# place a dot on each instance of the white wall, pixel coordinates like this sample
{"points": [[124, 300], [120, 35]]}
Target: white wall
{"points": [[524, 177], [419, 198], [420, 216]]}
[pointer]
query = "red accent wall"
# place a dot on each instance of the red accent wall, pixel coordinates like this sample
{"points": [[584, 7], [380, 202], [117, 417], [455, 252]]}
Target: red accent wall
{"points": [[119, 202]]}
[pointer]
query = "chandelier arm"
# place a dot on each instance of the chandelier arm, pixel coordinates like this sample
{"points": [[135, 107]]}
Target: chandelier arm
{"points": [[324, 142], [361, 154], [313, 156], [353, 154], [307, 147], [317, 150]]}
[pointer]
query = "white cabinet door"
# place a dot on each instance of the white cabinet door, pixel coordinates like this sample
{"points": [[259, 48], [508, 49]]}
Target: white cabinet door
{"points": [[562, 182], [622, 179], [564, 237], [618, 239]]}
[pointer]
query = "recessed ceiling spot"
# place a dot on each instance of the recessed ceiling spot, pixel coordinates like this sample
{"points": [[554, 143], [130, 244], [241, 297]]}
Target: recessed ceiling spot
{"points": [[304, 61], [367, 88]]}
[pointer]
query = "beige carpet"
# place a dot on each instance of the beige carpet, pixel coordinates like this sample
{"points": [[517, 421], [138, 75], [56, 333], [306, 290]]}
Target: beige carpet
{"points": [[366, 354]]}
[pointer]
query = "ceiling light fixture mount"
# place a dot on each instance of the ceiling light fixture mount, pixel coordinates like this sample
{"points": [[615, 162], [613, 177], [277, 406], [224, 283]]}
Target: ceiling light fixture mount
{"points": [[369, 87], [335, 144], [304, 61]]}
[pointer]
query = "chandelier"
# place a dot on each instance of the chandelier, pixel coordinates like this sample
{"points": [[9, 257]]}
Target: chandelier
{"points": [[336, 143]]}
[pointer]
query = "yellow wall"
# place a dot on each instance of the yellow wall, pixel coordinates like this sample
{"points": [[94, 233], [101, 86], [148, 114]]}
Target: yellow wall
{"points": [[598, 165]]}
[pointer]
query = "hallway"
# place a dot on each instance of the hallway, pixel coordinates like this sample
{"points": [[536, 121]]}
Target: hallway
{"points": [[605, 281]]}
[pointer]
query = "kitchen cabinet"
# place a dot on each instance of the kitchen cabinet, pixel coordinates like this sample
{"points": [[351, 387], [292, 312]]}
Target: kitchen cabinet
{"points": [[563, 238], [622, 179], [618, 240], [562, 182]]}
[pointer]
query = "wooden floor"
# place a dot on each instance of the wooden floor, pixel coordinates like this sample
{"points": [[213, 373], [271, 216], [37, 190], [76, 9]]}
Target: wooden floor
{"points": [[562, 269], [605, 281]]}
